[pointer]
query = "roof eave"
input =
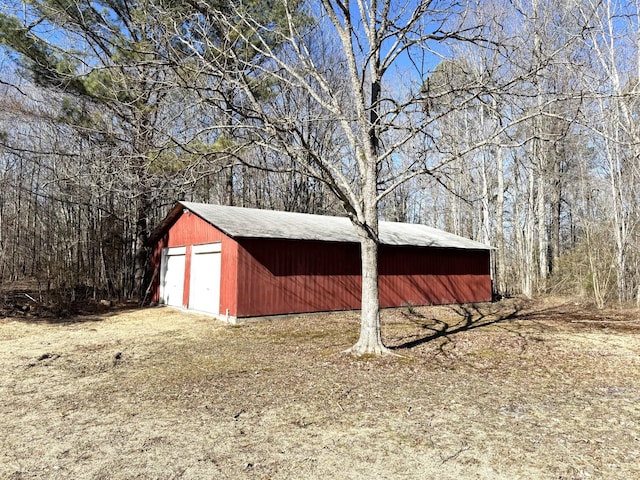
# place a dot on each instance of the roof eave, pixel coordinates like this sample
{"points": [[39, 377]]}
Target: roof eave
{"points": [[166, 223]]}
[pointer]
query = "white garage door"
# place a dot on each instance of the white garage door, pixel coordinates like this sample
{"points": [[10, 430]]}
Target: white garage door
{"points": [[172, 276], [204, 290]]}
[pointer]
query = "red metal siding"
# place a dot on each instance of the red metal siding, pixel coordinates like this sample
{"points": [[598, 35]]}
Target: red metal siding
{"points": [[429, 276], [189, 230], [187, 277], [278, 276]]}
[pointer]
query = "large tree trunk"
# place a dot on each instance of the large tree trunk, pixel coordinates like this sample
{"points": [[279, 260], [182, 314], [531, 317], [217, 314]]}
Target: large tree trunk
{"points": [[370, 341], [141, 252], [227, 175], [528, 240], [556, 212], [500, 252], [541, 217]]}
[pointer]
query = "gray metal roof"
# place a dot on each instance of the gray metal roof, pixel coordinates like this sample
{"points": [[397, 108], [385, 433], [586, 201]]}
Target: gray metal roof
{"points": [[254, 223]]}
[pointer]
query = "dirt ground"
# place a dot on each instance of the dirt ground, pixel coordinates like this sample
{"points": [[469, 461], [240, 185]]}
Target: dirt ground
{"points": [[546, 389]]}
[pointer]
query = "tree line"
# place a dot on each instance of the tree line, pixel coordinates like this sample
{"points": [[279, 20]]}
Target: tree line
{"points": [[512, 122]]}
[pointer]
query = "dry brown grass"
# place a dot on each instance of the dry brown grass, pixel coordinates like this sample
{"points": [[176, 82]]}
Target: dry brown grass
{"points": [[544, 390]]}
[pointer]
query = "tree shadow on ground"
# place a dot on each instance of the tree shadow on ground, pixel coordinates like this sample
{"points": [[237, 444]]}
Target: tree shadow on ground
{"points": [[566, 315], [463, 318]]}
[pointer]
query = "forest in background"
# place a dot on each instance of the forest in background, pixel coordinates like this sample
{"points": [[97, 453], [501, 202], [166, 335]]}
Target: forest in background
{"points": [[514, 122]]}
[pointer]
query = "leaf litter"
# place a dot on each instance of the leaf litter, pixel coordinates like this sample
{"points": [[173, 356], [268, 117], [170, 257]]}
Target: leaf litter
{"points": [[516, 389]]}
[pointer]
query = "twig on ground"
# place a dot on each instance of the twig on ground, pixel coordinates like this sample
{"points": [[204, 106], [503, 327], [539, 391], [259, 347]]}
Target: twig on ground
{"points": [[464, 448]]}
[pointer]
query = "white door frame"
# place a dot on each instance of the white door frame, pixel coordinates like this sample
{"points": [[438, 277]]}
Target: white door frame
{"points": [[207, 248]]}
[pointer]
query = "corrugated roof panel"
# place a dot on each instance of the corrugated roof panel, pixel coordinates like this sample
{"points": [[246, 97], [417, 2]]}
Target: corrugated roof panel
{"points": [[255, 223]]}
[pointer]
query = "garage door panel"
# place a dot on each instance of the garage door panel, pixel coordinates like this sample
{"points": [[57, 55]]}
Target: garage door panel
{"points": [[204, 292]]}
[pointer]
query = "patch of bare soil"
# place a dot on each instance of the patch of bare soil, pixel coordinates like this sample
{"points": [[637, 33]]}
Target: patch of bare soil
{"points": [[547, 390]]}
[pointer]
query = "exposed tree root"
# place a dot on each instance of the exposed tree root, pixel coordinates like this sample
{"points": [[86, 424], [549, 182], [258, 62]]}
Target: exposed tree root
{"points": [[375, 350]]}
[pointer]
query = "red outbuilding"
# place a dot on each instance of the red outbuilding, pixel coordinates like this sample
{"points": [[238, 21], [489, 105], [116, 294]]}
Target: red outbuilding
{"points": [[237, 262]]}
